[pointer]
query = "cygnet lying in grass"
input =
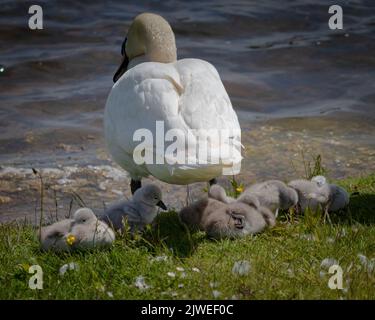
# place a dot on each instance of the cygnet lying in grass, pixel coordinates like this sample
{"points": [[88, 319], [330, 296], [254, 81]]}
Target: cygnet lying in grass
{"points": [[82, 232], [139, 211], [218, 219], [53, 236], [273, 194], [89, 232]]}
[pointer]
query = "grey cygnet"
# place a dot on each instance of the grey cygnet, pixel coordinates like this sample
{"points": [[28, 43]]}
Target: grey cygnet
{"points": [[273, 194], [53, 236], [139, 211], [338, 196], [217, 192], [89, 232], [82, 232], [219, 220], [311, 194]]}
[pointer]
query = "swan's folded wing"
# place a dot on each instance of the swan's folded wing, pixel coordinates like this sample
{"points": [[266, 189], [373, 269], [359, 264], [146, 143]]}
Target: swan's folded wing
{"points": [[181, 98], [206, 109]]}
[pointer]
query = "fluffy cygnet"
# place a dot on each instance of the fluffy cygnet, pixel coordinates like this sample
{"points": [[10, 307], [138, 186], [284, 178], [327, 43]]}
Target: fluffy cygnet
{"points": [[311, 194], [232, 220], [273, 194], [83, 231], [338, 197], [53, 236], [88, 231], [218, 193], [139, 211]]}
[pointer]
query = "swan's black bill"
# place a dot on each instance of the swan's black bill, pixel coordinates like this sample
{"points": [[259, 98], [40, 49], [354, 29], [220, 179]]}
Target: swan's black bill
{"points": [[124, 64], [162, 205]]}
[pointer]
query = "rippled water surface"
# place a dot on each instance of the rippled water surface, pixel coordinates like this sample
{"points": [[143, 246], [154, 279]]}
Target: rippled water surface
{"points": [[296, 84]]}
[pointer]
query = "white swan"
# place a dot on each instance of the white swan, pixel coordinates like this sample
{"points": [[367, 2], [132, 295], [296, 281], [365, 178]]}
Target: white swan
{"points": [[152, 85]]}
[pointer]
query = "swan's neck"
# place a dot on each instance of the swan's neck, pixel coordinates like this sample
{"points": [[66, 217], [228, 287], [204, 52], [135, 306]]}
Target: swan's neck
{"points": [[137, 60]]}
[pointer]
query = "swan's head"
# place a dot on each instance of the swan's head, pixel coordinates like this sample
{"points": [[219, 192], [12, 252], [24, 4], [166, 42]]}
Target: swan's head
{"points": [[149, 37]]}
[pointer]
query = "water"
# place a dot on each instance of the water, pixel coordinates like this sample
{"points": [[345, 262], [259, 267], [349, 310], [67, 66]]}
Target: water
{"points": [[295, 83]]}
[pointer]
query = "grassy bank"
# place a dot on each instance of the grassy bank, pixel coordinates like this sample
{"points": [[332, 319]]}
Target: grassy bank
{"points": [[285, 262]]}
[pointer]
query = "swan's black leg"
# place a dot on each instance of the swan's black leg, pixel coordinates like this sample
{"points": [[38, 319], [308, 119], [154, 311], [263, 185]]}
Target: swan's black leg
{"points": [[135, 185], [213, 181]]}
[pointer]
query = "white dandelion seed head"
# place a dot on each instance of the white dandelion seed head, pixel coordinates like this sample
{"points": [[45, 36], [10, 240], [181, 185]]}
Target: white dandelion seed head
{"points": [[367, 263], [363, 259], [308, 237], [68, 266], [241, 267], [160, 258], [141, 284], [328, 262], [216, 293]]}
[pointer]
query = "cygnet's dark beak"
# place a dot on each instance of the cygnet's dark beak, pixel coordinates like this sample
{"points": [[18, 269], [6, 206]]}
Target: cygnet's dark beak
{"points": [[124, 64], [162, 205]]}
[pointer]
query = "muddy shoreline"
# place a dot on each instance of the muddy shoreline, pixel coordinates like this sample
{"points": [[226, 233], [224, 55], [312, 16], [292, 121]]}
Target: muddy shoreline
{"points": [[273, 150]]}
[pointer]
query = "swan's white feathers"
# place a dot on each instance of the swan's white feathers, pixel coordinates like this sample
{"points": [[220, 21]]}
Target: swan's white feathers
{"points": [[186, 95]]}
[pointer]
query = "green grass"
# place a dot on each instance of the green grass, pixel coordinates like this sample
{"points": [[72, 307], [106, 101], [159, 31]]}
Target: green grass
{"points": [[285, 261]]}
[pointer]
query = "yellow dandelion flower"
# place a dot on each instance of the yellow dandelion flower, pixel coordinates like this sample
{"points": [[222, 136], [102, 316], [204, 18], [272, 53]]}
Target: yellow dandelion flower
{"points": [[25, 266], [239, 189], [70, 239]]}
